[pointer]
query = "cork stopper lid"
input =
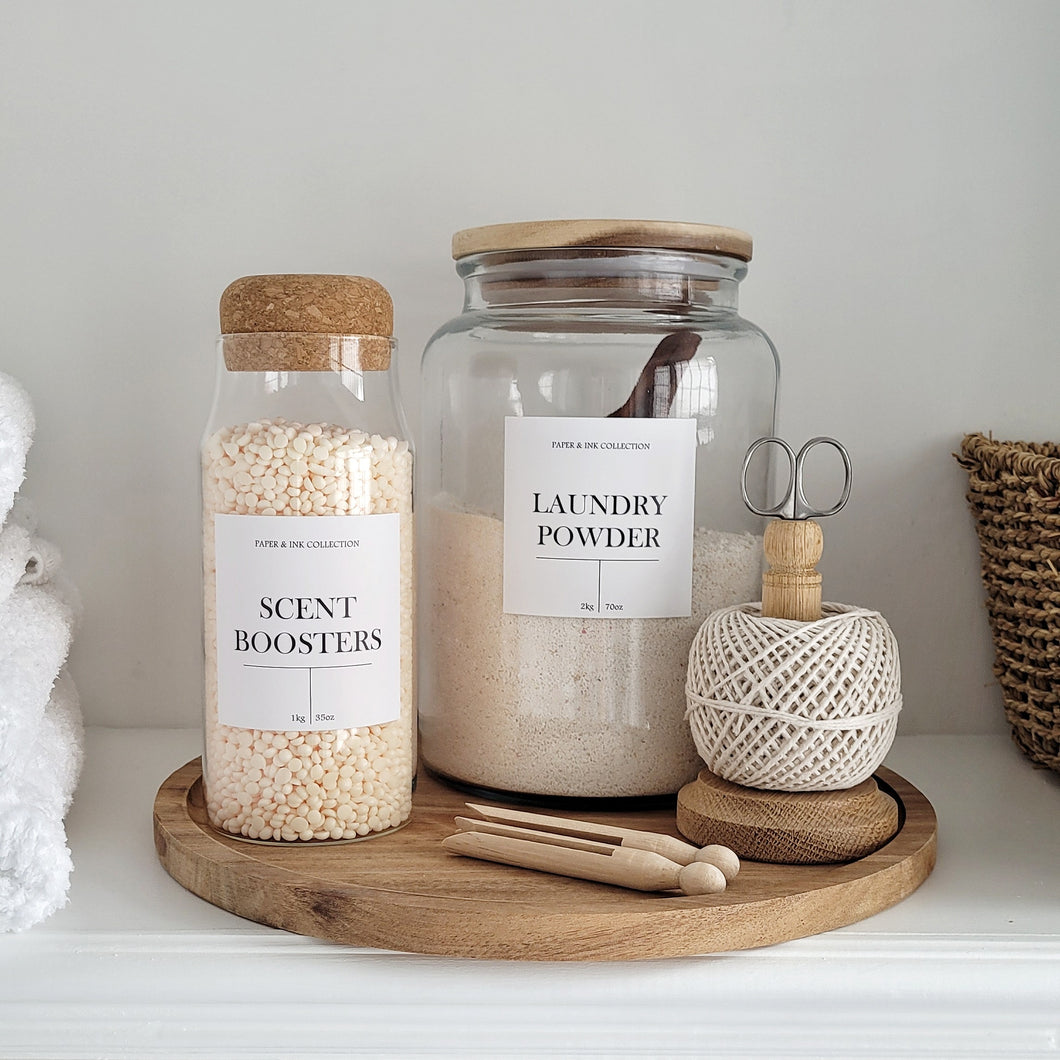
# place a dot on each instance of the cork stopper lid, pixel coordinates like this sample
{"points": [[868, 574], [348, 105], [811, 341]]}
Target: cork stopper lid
{"points": [[657, 235], [293, 322]]}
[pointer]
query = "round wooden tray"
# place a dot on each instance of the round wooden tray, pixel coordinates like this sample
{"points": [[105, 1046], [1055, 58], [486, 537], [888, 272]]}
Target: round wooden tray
{"points": [[403, 892]]}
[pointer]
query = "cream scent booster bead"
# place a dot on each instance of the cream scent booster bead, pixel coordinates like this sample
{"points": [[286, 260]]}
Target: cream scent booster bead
{"points": [[296, 785]]}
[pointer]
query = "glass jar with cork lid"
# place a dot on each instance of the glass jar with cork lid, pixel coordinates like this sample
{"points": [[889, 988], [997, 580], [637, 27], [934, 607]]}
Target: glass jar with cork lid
{"points": [[585, 419], [308, 566]]}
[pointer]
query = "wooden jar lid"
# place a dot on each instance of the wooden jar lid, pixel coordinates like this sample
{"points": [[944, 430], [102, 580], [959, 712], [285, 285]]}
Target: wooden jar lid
{"points": [[659, 235], [307, 323]]}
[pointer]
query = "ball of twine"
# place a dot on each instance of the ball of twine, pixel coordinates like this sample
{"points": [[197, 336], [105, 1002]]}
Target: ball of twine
{"points": [[782, 705]]}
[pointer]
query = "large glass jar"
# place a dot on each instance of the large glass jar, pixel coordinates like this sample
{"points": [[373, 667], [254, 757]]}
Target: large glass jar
{"points": [[308, 566], [584, 422]]}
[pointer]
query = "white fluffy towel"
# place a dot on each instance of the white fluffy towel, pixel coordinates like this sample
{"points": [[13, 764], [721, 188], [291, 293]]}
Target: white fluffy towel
{"points": [[41, 730], [35, 630], [35, 861], [16, 435], [16, 555]]}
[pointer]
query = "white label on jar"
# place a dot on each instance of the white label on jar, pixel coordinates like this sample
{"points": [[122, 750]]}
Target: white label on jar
{"points": [[308, 621], [598, 516]]}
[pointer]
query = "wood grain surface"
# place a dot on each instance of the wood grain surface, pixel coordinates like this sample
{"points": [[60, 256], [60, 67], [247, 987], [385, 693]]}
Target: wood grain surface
{"points": [[402, 891], [787, 827], [539, 235], [791, 586]]}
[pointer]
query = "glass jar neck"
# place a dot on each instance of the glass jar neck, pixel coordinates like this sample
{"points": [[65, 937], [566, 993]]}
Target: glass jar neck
{"points": [[272, 376], [601, 280]]}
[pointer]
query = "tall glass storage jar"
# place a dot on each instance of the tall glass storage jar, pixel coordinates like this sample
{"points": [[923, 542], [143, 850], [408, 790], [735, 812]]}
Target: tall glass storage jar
{"points": [[308, 566], [584, 423]]}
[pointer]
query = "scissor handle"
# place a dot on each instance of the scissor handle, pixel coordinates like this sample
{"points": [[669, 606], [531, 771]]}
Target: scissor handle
{"points": [[792, 459], [793, 504]]}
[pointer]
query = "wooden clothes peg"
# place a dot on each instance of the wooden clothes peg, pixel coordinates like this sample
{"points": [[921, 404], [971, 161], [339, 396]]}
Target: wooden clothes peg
{"points": [[623, 857]]}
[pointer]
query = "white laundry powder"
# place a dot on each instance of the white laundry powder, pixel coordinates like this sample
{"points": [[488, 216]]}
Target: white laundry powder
{"points": [[591, 707]]}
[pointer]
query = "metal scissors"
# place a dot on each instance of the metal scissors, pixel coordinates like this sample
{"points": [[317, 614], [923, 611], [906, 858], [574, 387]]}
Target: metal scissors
{"points": [[794, 505]]}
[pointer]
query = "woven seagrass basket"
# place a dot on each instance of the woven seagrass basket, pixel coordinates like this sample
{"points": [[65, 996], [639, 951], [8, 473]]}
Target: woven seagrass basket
{"points": [[1014, 493]]}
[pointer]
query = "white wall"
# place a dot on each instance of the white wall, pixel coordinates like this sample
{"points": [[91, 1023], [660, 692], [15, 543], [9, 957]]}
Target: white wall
{"points": [[897, 163]]}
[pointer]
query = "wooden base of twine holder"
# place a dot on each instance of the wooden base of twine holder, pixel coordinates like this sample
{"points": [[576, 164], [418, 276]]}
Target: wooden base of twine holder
{"points": [[787, 827], [778, 826]]}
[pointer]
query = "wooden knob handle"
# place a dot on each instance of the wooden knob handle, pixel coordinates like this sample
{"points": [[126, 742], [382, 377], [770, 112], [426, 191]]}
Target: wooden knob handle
{"points": [[791, 588], [701, 878]]}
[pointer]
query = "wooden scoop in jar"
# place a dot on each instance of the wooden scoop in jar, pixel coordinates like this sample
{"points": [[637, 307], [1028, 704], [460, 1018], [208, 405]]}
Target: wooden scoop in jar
{"points": [[659, 378]]}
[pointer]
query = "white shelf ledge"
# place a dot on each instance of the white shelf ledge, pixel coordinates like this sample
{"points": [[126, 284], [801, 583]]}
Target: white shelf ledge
{"points": [[968, 966]]}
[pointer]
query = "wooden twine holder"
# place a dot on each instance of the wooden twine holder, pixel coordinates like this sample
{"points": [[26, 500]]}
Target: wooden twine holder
{"points": [[789, 827], [791, 587]]}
